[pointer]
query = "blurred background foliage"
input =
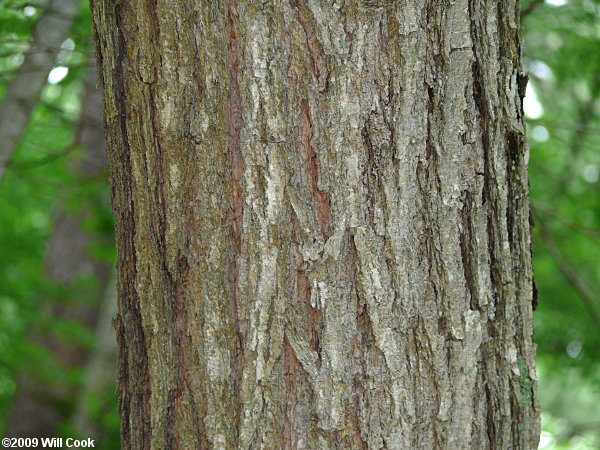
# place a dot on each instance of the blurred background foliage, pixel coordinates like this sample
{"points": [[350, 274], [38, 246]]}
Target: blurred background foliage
{"points": [[561, 44], [42, 183]]}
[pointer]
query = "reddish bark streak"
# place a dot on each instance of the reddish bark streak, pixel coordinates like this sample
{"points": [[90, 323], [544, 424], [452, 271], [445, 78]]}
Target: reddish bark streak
{"points": [[296, 384], [318, 63], [236, 165], [310, 170], [289, 435]]}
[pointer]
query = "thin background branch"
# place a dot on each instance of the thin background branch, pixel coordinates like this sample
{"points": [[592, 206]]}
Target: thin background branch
{"points": [[585, 292]]}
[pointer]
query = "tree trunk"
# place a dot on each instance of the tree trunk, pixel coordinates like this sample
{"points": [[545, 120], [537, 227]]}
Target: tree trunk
{"points": [[322, 223]]}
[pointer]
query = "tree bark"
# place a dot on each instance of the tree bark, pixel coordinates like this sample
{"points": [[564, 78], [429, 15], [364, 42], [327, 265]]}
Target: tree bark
{"points": [[39, 407], [25, 88], [322, 223]]}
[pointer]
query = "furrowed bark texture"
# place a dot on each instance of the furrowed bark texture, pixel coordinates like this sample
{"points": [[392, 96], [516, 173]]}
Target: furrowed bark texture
{"points": [[322, 222]]}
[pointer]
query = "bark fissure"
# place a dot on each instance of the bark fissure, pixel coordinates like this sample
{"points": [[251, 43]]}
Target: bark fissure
{"points": [[311, 171], [318, 63], [133, 386], [467, 250], [236, 199]]}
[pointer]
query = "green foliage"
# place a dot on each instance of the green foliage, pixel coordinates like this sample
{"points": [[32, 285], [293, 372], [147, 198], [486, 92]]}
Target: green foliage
{"points": [[561, 50], [562, 55], [37, 182]]}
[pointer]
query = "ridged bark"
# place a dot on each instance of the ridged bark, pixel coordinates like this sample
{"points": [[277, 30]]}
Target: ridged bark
{"points": [[322, 223]]}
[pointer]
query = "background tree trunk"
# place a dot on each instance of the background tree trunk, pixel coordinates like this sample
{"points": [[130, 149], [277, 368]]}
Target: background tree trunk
{"points": [[100, 370], [39, 406], [322, 223], [25, 88]]}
